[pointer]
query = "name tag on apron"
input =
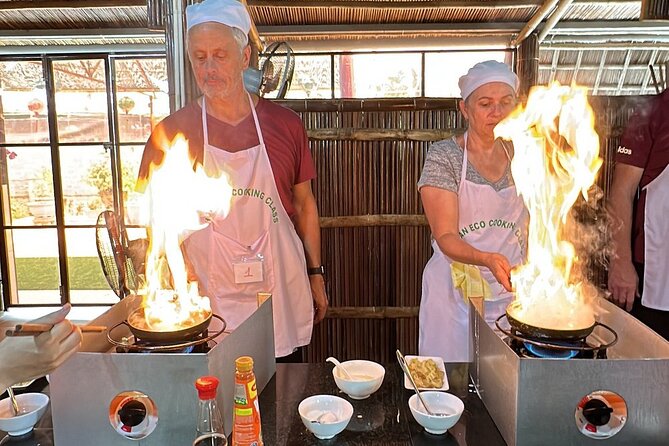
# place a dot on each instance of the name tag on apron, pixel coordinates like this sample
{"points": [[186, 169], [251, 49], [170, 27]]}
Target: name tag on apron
{"points": [[249, 271]]}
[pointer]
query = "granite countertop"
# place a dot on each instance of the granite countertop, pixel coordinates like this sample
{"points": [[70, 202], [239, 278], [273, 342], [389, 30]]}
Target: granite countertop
{"points": [[382, 419]]}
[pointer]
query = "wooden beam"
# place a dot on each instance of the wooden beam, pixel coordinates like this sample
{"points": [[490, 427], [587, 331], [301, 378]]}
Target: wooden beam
{"points": [[371, 312], [253, 33], [621, 79], [362, 4], [355, 221], [378, 134], [598, 78], [69, 4], [367, 4]]}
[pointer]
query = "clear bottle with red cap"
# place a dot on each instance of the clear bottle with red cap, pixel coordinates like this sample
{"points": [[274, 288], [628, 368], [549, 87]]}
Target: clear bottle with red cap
{"points": [[210, 430]]}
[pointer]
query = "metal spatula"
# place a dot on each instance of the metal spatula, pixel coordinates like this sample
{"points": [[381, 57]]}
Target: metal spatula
{"points": [[405, 369]]}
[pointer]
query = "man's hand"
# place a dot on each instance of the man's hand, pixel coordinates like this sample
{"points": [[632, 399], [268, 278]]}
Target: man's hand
{"points": [[320, 297], [623, 283]]}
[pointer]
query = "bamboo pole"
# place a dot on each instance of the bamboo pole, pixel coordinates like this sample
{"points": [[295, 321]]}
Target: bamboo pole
{"points": [[357, 221], [379, 134], [371, 312]]}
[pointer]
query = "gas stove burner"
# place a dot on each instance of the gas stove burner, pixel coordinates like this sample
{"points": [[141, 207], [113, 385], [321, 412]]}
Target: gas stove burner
{"points": [[531, 347], [197, 343], [141, 346], [549, 353]]}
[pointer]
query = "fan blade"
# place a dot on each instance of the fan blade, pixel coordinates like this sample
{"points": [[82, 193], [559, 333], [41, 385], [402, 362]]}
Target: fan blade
{"points": [[106, 256]]}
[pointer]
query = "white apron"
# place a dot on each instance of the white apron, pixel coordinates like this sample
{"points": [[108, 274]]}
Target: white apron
{"points": [[258, 230], [484, 219], [656, 251]]}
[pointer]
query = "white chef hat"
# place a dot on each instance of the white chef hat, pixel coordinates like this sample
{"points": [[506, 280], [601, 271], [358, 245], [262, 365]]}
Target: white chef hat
{"points": [[484, 73], [228, 12]]}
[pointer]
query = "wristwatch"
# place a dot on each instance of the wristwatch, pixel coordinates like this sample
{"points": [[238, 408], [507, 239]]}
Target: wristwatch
{"points": [[316, 270]]}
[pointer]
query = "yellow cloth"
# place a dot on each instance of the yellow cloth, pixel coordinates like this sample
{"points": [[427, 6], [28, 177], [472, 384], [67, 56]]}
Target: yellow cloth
{"points": [[468, 279]]}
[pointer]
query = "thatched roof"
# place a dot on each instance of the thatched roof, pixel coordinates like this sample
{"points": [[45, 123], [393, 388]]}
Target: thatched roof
{"points": [[596, 42]]}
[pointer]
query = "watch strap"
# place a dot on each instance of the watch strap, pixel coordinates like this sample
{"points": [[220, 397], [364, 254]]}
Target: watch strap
{"points": [[316, 270]]}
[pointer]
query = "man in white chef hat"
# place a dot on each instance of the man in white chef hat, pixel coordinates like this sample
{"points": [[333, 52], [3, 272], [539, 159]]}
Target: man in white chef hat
{"points": [[270, 239]]}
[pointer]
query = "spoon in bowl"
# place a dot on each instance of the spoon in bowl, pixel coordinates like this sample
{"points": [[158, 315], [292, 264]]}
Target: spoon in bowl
{"points": [[15, 404], [340, 367], [405, 369]]}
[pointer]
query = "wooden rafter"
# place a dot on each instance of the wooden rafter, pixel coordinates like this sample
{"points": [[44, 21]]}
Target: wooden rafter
{"points": [[621, 80], [598, 78], [368, 4]]}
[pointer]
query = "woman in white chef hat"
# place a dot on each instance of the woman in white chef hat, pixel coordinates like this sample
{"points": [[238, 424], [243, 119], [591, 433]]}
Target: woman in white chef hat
{"points": [[476, 217]]}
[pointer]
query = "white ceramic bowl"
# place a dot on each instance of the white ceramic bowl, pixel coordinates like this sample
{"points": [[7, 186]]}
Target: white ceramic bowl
{"points": [[437, 402], [368, 378], [333, 412], [32, 406]]}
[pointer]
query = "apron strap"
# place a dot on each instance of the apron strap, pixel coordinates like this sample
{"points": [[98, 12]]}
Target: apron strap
{"points": [[463, 172], [205, 133], [255, 119]]}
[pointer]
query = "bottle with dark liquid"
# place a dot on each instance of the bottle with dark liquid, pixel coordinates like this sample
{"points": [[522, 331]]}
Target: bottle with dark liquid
{"points": [[210, 431]]}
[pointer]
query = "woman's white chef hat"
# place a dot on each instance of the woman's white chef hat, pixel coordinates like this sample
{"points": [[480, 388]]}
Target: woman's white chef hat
{"points": [[484, 73], [228, 12]]}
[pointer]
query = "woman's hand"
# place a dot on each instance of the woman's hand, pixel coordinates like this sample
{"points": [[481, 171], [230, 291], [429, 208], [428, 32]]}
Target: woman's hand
{"points": [[30, 357], [500, 268]]}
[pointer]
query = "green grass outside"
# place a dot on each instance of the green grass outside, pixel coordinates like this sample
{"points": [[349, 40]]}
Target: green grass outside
{"points": [[42, 273]]}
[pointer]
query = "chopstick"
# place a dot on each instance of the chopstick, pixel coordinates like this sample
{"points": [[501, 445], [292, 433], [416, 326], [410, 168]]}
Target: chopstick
{"points": [[36, 329]]}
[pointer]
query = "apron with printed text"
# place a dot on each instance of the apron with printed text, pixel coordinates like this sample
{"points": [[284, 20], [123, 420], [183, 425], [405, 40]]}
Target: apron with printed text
{"points": [[254, 248], [491, 221], [656, 252]]}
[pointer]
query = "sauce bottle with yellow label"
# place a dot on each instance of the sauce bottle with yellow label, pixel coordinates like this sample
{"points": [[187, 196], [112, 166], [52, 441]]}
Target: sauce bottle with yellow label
{"points": [[246, 429]]}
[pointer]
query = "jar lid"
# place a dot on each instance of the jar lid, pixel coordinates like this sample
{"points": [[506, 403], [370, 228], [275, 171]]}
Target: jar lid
{"points": [[206, 387], [244, 364]]}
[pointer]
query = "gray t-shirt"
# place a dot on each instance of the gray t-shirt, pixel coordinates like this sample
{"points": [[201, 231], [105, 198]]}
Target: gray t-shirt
{"points": [[443, 167]]}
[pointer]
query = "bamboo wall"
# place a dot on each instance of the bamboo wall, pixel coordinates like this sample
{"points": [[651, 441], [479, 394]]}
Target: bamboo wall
{"points": [[374, 264]]}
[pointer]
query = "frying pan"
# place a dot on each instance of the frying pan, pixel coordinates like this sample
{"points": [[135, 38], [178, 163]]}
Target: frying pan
{"points": [[547, 333], [183, 334]]}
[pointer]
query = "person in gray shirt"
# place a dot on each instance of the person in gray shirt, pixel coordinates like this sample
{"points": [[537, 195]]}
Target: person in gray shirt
{"points": [[477, 219]]}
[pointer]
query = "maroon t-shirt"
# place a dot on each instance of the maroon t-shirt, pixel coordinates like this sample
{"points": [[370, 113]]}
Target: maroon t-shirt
{"points": [[645, 144], [282, 130]]}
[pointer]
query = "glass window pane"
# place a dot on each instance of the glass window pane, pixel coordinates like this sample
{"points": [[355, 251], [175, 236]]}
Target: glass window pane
{"points": [[29, 198], [142, 96], [87, 183], [33, 254], [23, 109], [134, 203], [443, 70], [81, 100], [377, 75], [311, 78], [87, 280]]}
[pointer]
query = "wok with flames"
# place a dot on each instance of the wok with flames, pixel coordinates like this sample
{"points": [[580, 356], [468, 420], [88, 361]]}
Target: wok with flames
{"points": [[183, 332], [533, 331]]}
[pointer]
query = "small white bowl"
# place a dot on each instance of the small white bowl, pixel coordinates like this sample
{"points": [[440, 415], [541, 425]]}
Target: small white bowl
{"points": [[32, 406], [437, 402], [368, 378], [334, 414]]}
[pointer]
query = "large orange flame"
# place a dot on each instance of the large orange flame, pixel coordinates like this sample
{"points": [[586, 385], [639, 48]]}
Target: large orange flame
{"points": [[181, 199], [556, 159]]}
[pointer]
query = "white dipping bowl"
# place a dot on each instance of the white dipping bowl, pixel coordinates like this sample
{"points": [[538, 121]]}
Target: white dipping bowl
{"points": [[32, 407], [338, 413], [368, 378], [437, 402]]}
